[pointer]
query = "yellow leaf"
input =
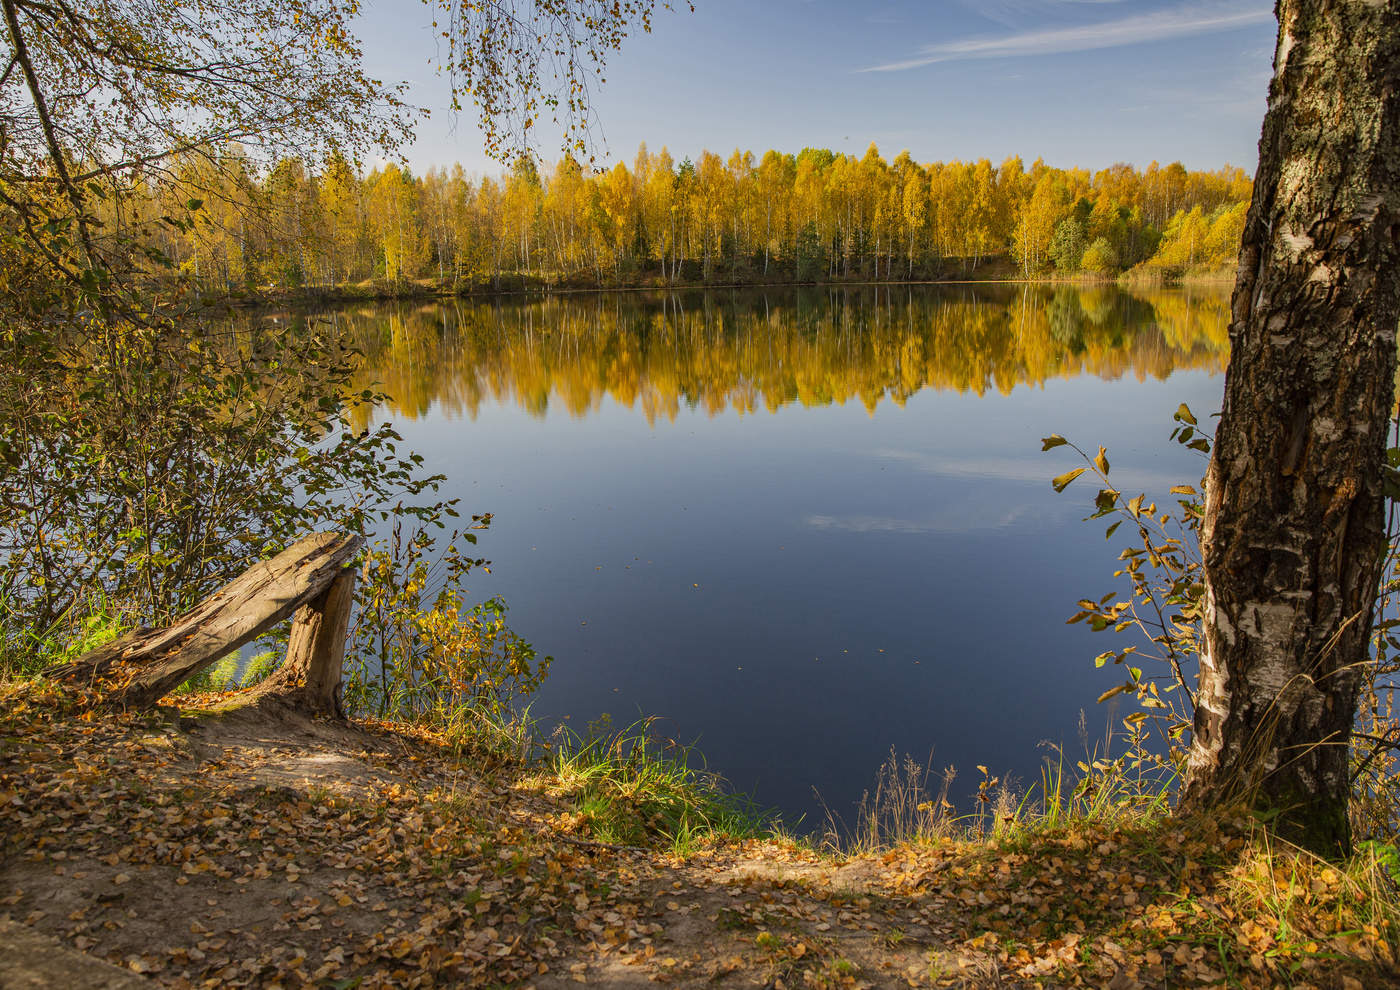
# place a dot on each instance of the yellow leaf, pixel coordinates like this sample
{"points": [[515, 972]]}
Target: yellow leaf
{"points": [[1062, 482]]}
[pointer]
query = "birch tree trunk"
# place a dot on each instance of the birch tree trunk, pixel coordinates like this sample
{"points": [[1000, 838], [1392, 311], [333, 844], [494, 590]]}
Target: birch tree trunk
{"points": [[1294, 529]]}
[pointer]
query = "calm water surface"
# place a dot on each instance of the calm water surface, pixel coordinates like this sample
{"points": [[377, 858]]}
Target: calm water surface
{"points": [[804, 527]]}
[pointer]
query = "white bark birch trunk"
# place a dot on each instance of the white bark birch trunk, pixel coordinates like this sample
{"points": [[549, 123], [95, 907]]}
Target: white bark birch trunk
{"points": [[1293, 534]]}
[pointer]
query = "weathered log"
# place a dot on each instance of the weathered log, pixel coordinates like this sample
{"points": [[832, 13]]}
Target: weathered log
{"points": [[309, 678], [145, 665], [325, 646]]}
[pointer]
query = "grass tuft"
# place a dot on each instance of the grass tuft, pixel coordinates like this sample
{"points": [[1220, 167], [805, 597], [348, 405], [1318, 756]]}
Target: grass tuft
{"points": [[902, 809], [25, 651], [633, 787]]}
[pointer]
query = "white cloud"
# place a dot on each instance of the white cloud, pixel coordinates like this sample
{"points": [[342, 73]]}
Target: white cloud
{"points": [[964, 519], [1035, 469], [1162, 25]]}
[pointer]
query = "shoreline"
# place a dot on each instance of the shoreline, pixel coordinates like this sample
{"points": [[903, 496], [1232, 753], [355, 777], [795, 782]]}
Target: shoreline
{"points": [[188, 847], [411, 291]]}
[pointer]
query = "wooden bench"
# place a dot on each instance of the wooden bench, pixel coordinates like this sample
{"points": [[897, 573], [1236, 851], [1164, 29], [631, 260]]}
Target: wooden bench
{"points": [[312, 579]]}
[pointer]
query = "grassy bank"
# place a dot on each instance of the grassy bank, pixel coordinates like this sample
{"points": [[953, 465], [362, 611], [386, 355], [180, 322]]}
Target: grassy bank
{"points": [[200, 849], [995, 269], [1168, 276]]}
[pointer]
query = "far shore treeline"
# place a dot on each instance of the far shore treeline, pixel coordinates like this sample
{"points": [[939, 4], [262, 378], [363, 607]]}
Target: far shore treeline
{"points": [[810, 217]]}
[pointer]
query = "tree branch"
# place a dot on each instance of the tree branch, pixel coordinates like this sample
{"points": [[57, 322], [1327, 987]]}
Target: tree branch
{"points": [[74, 193]]}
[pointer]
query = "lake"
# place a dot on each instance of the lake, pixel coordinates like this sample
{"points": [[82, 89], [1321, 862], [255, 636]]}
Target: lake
{"points": [[805, 527]]}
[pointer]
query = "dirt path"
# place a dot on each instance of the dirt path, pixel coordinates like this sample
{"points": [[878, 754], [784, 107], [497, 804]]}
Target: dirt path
{"points": [[242, 851]]}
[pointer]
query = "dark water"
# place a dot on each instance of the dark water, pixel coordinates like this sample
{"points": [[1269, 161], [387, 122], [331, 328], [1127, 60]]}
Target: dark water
{"points": [[804, 527]]}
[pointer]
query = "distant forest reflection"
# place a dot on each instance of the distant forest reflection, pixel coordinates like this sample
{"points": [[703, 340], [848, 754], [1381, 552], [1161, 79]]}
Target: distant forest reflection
{"points": [[750, 350]]}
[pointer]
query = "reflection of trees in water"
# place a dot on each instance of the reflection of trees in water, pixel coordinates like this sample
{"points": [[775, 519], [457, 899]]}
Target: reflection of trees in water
{"points": [[752, 350]]}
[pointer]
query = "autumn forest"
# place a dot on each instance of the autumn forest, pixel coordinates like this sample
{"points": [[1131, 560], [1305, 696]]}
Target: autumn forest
{"points": [[810, 217]]}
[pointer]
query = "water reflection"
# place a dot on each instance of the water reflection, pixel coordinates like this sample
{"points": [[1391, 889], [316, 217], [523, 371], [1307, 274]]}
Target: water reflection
{"points": [[883, 564], [746, 351]]}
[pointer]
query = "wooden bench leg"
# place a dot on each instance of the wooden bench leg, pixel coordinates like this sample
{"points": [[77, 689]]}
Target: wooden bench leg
{"points": [[316, 646]]}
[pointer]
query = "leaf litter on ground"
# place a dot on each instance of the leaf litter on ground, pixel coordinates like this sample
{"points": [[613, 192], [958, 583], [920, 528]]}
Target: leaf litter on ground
{"points": [[203, 850]]}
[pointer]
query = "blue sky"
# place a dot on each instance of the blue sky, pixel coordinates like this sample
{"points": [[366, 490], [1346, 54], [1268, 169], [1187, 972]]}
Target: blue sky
{"points": [[1077, 82]]}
